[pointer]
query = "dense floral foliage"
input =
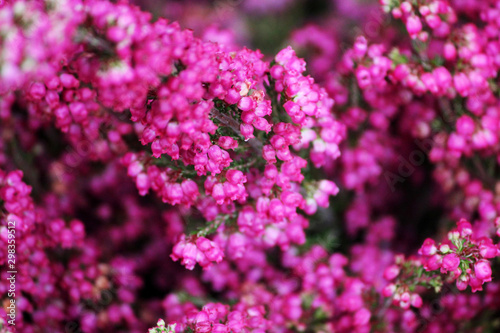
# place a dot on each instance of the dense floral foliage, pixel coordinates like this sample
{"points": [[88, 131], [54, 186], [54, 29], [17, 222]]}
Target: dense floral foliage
{"points": [[282, 167]]}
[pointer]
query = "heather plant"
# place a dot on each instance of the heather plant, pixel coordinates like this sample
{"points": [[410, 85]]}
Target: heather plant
{"points": [[338, 174]]}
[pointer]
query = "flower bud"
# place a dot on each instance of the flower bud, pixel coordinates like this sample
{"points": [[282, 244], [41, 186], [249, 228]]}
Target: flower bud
{"points": [[444, 248]]}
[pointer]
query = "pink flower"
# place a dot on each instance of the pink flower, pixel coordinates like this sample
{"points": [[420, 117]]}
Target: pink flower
{"points": [[202, 322], [413, 25], [391, 272], [227, 142], [462, 282], [482, 269], [476, 284], [143, 183], [428, 248], [389, 290], [360, 46], [465, 125], [276, 209], [450, 52], [416, 300], [405, 300], [269, 154], [190, 189], [434, 262], [362, 317], [450, 262], [247, 131], [328, 187], [172, 193], [462, 84], [37, 90], [218, 193], [246, 104], [433, 21], [189, 255], [488, 251], [464, 228], [363, 77]]}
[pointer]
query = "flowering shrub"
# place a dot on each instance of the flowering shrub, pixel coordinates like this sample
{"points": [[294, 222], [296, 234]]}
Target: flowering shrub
{"points": [[345, 183]]}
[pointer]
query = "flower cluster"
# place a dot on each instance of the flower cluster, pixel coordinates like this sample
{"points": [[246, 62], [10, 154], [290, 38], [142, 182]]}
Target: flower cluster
{"points": [[57, 267], [198, 169], [438, 16], [463, 257]]}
